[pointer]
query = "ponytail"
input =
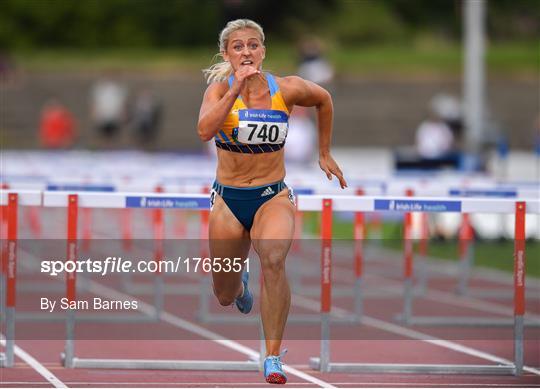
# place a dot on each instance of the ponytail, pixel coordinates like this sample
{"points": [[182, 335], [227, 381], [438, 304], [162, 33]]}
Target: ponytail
{"points": [[217, 72]]}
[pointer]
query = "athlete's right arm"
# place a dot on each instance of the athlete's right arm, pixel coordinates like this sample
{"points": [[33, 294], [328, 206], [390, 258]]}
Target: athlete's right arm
{"points": [[217, 102]]}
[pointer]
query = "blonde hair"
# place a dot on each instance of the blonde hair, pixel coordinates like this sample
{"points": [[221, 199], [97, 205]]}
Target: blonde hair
{"points": [[221, 70]]}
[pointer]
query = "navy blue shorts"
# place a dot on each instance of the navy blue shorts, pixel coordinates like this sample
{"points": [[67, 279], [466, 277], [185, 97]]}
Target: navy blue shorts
{"points": [[245, 202]]}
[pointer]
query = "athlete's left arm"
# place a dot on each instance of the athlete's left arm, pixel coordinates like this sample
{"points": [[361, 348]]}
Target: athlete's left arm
{"points": [[297, 91]]}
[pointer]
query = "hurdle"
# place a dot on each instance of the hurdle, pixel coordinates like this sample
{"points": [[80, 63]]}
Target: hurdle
{"points": [[466, 248], [158, 221], [129, 200], [12, 200], [110, 185], [72, 225], [465, 264], [326, 205]]}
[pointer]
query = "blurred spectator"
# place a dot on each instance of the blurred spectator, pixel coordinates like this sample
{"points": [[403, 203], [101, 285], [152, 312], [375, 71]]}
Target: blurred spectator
{"points": [[313, 66], [434, 138], [6, 65], [8, 70], [108, 106], [302, 136], [57, 126], [146, 116], [448, 109]]}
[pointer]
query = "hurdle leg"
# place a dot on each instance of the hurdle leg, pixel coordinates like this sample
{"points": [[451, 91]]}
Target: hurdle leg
{"points": [[159, 234], [11, 275], [125, 216], [375, 229], [325, 343], [204, 278], [69, 347], [423, 253], [408, 267], [466, 264], [326, 284], [72, 222], [359, 236], [358, 298], [296, 249], [3, 260], [519, 285], [466, 252], [205, 285], [158, 256], [262, 346], [158, 295]]}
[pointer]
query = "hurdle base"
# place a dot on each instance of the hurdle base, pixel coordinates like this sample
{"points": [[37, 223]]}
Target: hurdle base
{"points": [[487, 292], [148, 364], [396, 368], [465, 321]]}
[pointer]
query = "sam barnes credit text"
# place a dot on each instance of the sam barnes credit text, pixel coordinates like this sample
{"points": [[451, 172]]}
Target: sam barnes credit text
{"points": [[95, 304]]}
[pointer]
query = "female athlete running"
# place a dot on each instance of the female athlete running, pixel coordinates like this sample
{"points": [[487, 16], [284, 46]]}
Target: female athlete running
{"points": [[246, 111]]}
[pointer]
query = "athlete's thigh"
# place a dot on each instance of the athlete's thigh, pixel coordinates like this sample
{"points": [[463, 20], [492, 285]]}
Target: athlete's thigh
{"points": [[228, 239], [273, 226]]}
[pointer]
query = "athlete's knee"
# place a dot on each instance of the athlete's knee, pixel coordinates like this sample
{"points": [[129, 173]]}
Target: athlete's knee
{"points": [[273, 264]]}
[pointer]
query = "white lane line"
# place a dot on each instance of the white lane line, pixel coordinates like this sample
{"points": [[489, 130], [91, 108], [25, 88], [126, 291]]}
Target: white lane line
{"points": [[314, 305], [38, 367], [104, 291]]}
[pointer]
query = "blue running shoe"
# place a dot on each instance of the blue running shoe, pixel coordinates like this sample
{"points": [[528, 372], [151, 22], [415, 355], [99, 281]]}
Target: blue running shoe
{"points": [[273, 369], [245, 302]]}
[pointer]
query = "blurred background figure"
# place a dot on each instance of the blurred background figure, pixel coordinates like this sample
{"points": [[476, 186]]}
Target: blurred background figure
{"points": [[313, 66], [145, 117], [7, 67], [302, 137], [434, 138], [57, 126], [108, 100], [448, 108]]}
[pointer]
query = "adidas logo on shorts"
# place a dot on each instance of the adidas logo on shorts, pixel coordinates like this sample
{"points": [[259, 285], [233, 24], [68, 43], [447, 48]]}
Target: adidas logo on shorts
{"points": [[267, 192]]}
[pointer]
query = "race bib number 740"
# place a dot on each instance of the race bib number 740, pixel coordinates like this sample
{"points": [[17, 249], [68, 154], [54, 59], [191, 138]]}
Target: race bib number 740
{"points": [[258, 126]]}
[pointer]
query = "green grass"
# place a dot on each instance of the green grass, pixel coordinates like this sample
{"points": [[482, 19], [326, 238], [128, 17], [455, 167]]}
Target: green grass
{"points": [[488, 254], [419, 59], [430, 60], [114, 59]]}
